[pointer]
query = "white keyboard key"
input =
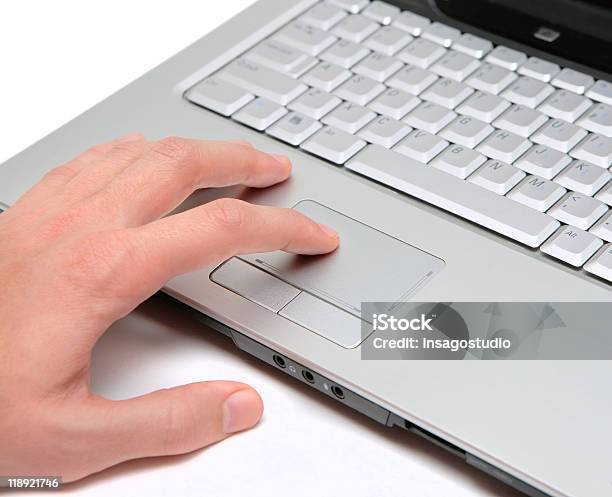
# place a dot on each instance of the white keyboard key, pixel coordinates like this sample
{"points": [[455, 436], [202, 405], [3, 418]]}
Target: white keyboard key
{"points": [[219, 96], [583, 177], [323, 16], [483, 106], [355, 28], [421, 53], [497, 176], [506, 57], [455, 65], [333, 144], [315, 103], [349, 117], [578, 210], [596, 149], [430, 117], [572, 245], [421, 146], [412, 23], [378, 66], [458, 161], [537, 193], [539, 69], [394, 103], [385, 131], [473, 45], [565, 105], [467, 131], [601, 264], [360, 90], [326, 76], [441, 34], [504, 146], [447, 92], [381, 12], [601, 91], [459, 197], [491, 78], [605, 195], [294, 128], [543, 161], [352, 6], [412, 79], [603, 228], [388, 40], [575, 81], [598, 120], [345, 53], [260, 113], [527, 91], [262, 81], [281, 57], [305, 37], [559, 134], [521, 120]]}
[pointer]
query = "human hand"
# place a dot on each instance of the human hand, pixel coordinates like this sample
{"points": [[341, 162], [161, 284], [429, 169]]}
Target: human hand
{"points": [[84, 247]]}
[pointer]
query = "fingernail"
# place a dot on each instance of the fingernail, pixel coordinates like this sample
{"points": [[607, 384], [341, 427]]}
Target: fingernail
{"points": [[283, 159], [130, 137], [241, 411], [332, 233]]}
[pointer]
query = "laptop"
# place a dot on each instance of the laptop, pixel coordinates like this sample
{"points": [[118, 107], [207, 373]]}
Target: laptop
{"points": [[463, 152]]}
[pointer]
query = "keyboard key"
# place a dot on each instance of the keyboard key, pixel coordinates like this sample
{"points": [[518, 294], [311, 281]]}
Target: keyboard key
{"points": [[388, 40], [412, 23], [280, 57], [219, 96], [473, 45], [326, 76], [441, 34], [378, 66], [412, 79], [333, 144], [559, 134], [355, 28], [504, 146], [323, 16], [565, 105], [603, 228], [506, 57], [598, 120], [421, 146], [605, 195], [578, 210], [385, 131], [352, 6], [360, 90], [381, 12], [596, 149], [394, 103], [491, 78], [467, 131], [349, 117], [527, 91], [521, 120], [601, 264], [262, 81], [294, 128], [260, 113], [315, 103], [447, 92], [421, 53], [483, 106], [459, 197], [429, 117], [455, 65], [601, 91], [583, 177], [539, 69], [543, 161], [305, 37], [537, 193], [458, 161], [575, 81], [497, 176], [572, 245]]}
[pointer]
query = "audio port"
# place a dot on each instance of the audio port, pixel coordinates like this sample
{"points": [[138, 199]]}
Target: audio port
{"points": [[279, 361], [337, 391], [308, 376]]}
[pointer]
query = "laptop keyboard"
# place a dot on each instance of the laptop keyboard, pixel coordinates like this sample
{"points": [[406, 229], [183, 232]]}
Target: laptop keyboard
{"points": [[516, 144]]}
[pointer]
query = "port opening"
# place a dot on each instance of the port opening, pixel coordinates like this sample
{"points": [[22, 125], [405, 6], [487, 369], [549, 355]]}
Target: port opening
{"points": [[337, 391], [308, 376], [279, 361]]}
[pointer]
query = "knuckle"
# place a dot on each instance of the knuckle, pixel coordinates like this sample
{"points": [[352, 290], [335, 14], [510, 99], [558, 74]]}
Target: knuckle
{"points": [[181, 422], [173, 149], [60, 173], [227, 213]]}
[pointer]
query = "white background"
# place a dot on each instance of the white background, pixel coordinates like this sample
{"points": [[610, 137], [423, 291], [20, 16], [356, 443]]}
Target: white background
{"points": [[58, 59]]}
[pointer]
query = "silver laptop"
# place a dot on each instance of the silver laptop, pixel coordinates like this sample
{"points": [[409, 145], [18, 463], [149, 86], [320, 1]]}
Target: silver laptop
{"points": [[463, 152]]}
